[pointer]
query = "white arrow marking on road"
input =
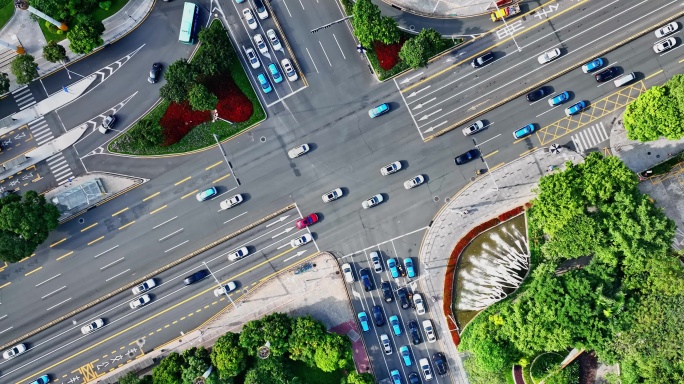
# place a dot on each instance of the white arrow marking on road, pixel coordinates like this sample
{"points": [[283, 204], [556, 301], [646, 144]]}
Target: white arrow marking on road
{"points": [[296, 255], [421, 104], [449, 60], [282, 233], [426, 116], [410, 78], [418, 91], [434, 127], [277, 221]]}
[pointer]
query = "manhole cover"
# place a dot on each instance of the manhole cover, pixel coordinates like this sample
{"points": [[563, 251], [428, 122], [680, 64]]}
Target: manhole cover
{"points": [[436, 198], [447, 199], [313, 265], [412, 27], [81, 221], [262, 139], [473, 178]]}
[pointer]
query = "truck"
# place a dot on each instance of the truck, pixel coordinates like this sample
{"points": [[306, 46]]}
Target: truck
{"points": [[506, 12]]}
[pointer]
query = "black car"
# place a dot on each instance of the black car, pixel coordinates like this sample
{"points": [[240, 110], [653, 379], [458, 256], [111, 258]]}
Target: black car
{"points": [[403, 298], [378, 317], [536, 95], [606, 75], [154, 73], [482, 60], [413, 378], [414, 332], [440, 364], [387, 291], [195, 277], [366, 278], [468, 156]]}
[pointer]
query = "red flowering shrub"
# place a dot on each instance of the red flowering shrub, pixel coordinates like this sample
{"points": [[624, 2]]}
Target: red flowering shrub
{"points": [[450, 273], [178, 120], [233, 105], [388, 55]]}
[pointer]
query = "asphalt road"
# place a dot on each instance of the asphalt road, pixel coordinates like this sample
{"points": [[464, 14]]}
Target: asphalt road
{"points": [[348, 150]]}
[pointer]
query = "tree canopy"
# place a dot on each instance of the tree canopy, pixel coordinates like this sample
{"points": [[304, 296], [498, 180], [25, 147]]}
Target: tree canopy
{"points": [[369, 25], [228, 356], [65, 10], [201, 99], [180, 78], [4, 83], [656, 113], [417, 50], [214, 57], [54, 52], [24, 68]]}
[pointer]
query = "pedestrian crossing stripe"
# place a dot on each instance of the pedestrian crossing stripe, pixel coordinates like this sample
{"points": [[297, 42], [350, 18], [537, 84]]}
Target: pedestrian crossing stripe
{"points": [[590, 137]]}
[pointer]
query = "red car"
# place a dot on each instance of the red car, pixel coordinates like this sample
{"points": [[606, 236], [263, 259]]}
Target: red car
{"points": [[305, 222]]}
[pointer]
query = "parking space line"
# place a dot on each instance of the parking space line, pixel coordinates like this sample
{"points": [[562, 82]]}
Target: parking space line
{"points": [[312, 60], [338, 46]]}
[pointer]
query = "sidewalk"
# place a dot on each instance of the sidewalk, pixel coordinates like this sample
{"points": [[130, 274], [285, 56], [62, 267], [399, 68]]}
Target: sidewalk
{"points": [[320, 292], [33, 41], [444, 9], [515, 182]]}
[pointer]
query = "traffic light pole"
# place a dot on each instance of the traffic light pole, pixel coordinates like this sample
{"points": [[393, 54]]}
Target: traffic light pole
{"points": [[330, 24]]}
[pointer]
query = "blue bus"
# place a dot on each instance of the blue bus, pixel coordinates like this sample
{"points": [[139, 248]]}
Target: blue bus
{"points": [[189, 23]]}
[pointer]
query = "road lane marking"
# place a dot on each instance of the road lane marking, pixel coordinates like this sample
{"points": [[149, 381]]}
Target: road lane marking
{"points": [[3, 331], [58, 304], [158, 209], [169, 235], [88, 227], [189, 194], [326, 55], [114, 247], [117, 275], [159, 225], [226, 222], [129, 224], [35, 270], [110, 264], [58, 242], [183, 181], [213, 165], [220, 178], [338, 46], [53, 292], [96, 240], [491, 154], [45, 281], [63, 256], [121, 211], [657, 73], [174, 247], [312, 60], [151, 196]]}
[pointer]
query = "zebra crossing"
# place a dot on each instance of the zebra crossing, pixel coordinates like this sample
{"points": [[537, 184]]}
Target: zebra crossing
{"points": [[590, 137], [58, 164], [41, 131], [23, 97]]}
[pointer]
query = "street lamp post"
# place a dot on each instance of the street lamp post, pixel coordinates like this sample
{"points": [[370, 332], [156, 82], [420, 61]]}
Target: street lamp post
{"points": [[219, 284], [496, 187]]}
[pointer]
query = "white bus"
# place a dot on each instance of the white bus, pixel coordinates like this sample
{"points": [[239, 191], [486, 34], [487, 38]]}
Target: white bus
{"points": [[188, 23]]}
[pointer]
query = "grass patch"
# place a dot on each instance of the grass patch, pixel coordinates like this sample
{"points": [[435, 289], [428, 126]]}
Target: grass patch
{"points": [[200, 136], [56, 36], [100, 14], [6, 11], [313, 375]]}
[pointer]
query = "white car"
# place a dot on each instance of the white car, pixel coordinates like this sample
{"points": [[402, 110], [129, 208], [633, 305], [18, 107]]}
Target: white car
{"points": [[348, 273], [14, 351], [260, 43], [418, 302], [425, 369], [226, 289], [274, 40], [298, 151], [238, 254], [97, 323], [414, 182], [548, 56], [145, 286], [386, 345], [377, 261], [140, 301], [289, 70], [390, 168], [372, 202], [252, 58], [664, 45], [230, 203], [430, 334], [298, 242], [249, 18], [474, 128], [332, 195], [107, 124], [667, 29]]}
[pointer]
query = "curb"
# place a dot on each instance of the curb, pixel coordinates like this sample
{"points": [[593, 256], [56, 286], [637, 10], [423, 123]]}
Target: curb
{"points": [[431, 16], [149, 275], [553, 77]]}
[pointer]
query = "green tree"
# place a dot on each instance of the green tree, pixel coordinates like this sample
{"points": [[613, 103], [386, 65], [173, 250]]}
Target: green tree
{"points": [[370, 26], [201, 99], [180, 79], [65, 10], [308, 335], [358, 378], [270, 370], [228, 356], [169, 370], [54, 52], [4, 83], [25, 223], [334, 353], [86, 35], [387, 31], [414, 53], [276, 328], [214, 56], [251, 338], [24, 68], [653, 114], [146, 133]]}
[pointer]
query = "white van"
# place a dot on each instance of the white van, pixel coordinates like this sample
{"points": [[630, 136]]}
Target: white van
{"points": [[624, 79]]}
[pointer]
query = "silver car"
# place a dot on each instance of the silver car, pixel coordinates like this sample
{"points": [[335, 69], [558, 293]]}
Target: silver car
{"points": [[289, 70], [238, 254], [273, 37], [226, 289], [377, 261], [664, 45], [298, 151], [474, 128], [140, 301], [372, 202], [14, 351], [252, 58], [144, 287], [332, 195], [414, 182], [667, 29], [96, 324], [348, 273], [548, 56]]}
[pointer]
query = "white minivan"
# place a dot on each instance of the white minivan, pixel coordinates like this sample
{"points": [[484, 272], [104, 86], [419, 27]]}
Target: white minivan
{"points": [[624, 80]]}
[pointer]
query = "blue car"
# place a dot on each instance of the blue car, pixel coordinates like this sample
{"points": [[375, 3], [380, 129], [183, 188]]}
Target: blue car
{"points": [[206, 194], [406, 355], [396, 377], [410, 272], [392, 266], [265, 85], [277, 77], [379, 110], [41, 380], [396, 326], [559, 99], [363, 319], [524, 131], [592, 65], [575, 109]]}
